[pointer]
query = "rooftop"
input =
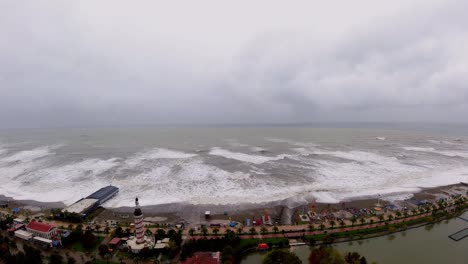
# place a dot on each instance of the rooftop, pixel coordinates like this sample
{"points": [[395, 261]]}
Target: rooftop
{"points": [[103, 192], [115, 241], [81, 206], [38, 226]]}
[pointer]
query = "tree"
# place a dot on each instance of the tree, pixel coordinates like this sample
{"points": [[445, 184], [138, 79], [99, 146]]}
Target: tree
{"points": [[215, 231], [160, 234], [355, 258], [371, 221], [362, 220], [103, 249], [88, 240], [398, 214], [332, 223], [55, 259], [342, 224], [31, 255], [322, 226], [253, 231], [204, 231], [239, 230], [191, 231], [227, 255], [276, 229], [353, 220], [390, 217], [381, 217], [281, 256], [325, 255], [263, 230], [414, 211]]}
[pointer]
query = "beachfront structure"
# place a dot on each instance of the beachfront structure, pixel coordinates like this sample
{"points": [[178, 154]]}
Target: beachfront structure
{"points": [[89, 204], [104, 194], [139, 241], [82, 207], [43, 230]]}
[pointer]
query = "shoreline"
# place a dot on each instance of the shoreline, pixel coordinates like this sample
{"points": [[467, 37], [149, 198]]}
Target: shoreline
{"points": [[193, 213]]}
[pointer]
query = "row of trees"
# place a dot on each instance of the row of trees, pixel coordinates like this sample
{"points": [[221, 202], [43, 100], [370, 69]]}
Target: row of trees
{"points": [[321, 255]]}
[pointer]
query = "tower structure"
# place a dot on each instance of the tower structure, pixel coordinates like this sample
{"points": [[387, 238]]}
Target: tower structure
{"points": [[139, 226]]}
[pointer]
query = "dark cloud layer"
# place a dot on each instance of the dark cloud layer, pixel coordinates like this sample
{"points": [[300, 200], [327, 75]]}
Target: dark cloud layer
{"points": [[115, 63]]}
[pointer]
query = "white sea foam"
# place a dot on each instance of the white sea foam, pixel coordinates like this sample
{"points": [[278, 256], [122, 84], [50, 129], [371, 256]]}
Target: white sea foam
{"points": [[66, 183], [422, 149], [446, 142], [168, 176], [29, 155], [158, 153], [2, 150], [256, 159], [448, 153]]}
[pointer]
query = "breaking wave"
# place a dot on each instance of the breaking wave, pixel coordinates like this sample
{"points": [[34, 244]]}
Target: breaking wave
{"points": [[161, 175], [256, 159]]}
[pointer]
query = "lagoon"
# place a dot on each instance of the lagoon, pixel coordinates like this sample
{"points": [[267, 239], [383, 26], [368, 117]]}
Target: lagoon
{"points": [[427, 244]]}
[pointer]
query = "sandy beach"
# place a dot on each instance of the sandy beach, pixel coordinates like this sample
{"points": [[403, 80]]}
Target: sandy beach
{"points": [[281, 211]]}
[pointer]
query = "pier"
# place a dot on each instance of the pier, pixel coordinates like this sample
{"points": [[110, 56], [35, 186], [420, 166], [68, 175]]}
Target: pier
{"points": [[459, 235]]}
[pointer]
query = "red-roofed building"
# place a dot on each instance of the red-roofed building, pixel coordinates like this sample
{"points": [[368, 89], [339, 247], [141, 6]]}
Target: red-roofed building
{"points": [[203, 258], [114, 242], [42, 229]]}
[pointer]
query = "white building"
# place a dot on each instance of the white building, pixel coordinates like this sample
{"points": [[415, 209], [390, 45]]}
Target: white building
{"points": [[23, 234]]}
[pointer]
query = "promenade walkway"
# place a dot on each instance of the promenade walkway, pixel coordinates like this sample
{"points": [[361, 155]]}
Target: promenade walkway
{"points": [[317, 232]]}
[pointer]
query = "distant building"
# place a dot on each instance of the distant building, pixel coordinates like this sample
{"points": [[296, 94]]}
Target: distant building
{"points": [[204, 258], [43, 230]]}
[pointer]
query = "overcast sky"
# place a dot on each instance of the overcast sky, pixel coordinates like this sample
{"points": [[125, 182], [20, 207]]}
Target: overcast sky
{"points": [[86, 63]]}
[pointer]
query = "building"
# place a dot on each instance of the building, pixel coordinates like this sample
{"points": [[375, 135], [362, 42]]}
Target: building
{"points": [[82, 207], [42, 241], [104, 194], [139, 226], [89, 204], [43, 230], [139, 241], [115, 242], [23, 234], [204, 258]]}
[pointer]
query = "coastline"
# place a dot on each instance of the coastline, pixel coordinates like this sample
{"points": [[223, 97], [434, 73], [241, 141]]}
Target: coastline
{"points": [[193, 213]]}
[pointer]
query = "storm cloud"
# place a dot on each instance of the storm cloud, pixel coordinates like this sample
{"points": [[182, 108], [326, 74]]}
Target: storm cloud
{"points": [[169, 62]]}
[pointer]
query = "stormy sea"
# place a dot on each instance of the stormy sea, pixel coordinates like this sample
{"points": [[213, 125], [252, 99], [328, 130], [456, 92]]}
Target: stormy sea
{"points": [[231, 164]]}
